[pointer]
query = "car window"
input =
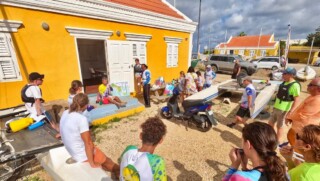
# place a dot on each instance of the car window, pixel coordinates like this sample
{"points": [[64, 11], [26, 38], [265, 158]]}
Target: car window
{"points": [[275, 60], [224, 59], [214, 58], [230, 59], [264, 60]]}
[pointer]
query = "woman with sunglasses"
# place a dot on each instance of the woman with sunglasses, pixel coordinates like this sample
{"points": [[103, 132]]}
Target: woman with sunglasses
{"points": [[308, 143], [259, 142]]}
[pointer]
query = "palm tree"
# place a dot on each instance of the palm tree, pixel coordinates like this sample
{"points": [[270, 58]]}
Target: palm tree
{"points": [[242, 34]]}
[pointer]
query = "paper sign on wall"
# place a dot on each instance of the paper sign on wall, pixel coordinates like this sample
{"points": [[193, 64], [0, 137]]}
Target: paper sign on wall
{"points": [[120, 89]]}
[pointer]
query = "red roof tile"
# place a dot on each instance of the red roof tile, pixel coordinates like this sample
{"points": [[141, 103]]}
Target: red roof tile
{"points": [[156, 6], [249, 41]]}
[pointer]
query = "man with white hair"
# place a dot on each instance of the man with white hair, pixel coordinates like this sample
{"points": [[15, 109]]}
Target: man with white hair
{"points": [[209, 75]]}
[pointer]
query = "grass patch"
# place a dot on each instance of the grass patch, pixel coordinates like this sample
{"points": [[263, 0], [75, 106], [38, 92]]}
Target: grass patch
{"points": [[101, 127], [34, 178]]}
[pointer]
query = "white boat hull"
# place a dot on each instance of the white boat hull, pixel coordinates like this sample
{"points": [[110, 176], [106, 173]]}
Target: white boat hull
{"points": [[54, 162], [306, 73]]}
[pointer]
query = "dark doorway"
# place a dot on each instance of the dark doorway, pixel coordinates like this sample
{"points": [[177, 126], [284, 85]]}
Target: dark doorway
{"points": [[92, 56]]}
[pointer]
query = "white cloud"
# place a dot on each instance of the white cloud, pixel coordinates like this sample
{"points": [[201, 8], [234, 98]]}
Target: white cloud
{"points": [[250, 16]]}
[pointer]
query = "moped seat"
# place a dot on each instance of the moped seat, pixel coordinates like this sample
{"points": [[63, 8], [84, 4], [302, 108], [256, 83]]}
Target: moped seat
{"points": [[190, 103]]}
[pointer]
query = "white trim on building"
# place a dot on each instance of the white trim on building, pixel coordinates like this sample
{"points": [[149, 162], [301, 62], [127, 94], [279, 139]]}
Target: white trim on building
{"points": [[107, 11]]}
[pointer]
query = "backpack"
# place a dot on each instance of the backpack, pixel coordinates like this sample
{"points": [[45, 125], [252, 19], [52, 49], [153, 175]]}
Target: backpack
{"points": [[283, 92], [27, 99]]}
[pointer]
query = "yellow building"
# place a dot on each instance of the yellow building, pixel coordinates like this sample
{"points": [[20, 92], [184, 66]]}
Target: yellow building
{"points": [[301, 54], [75, 39], [249, 47]]}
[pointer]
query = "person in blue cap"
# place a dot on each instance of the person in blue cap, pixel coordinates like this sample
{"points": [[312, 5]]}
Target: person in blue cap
{"points": [[287, 100]]}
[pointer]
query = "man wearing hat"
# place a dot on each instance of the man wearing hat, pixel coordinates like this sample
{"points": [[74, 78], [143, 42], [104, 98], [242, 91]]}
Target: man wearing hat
{"points": [[31, 94], [286, 100], [209, 75], [246, 102]]}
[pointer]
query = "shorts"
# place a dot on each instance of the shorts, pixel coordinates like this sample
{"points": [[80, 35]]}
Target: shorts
{"points": [[242, 112], [98, 156], [278, 117]]}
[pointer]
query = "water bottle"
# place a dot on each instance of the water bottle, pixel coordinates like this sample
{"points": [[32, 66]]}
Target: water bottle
{"points": [[20, 124], [35, 125]]}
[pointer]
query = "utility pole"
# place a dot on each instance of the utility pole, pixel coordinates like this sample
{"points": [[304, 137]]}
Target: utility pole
{"points": [[199, 28], [209, 38], [174, 3]]}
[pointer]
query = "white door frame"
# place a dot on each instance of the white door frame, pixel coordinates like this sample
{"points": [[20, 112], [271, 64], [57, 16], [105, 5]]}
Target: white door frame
{"points": [[92, 34]]}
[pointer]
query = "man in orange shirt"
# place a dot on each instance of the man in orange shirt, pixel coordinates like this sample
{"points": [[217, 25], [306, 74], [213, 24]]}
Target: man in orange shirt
{"points": [[308, 112]]}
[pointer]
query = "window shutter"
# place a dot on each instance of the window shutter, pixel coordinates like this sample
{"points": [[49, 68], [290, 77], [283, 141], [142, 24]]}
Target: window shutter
{"points": [[169, 55], [175, 56], [9, 69]]}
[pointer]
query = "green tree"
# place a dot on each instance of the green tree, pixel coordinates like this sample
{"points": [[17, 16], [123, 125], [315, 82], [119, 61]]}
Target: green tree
{"points": [[316, 40], [242, 34]]}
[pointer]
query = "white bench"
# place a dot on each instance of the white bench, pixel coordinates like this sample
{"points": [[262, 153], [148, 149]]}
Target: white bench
{"points": [[54, 162]]}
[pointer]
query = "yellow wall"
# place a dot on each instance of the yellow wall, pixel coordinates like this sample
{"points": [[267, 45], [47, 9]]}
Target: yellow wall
{"points": [[53, 52], [303, 56]]}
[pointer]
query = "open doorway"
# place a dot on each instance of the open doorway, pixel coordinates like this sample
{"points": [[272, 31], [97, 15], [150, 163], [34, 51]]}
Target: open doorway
{"points": [[92, 56]]}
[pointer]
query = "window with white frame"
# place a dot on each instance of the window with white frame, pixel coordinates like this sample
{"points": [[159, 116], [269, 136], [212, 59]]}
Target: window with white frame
{"points": [[172, 51], [252, 52], [140, 51], [139, 45], [228, 52], [222, 51], [241, 52], [9, 69], [263, 53]]}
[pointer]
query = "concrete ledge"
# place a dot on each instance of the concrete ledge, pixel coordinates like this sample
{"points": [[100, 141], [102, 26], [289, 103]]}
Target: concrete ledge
{"points": [[121, 113]]}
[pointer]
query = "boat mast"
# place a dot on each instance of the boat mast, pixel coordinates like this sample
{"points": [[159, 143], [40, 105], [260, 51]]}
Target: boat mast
{"points": [[310, 50]]}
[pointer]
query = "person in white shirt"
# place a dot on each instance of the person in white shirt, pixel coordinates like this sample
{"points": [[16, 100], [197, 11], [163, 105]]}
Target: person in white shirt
{"points": [[31, 95], [75, 134]]}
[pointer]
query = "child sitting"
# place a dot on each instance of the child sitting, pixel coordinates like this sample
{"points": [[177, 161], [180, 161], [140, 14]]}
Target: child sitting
{"points": [[105, 91], [141, 163], [200, 81]]}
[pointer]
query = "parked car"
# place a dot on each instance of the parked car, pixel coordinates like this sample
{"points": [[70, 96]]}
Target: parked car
{"points": [[273, 63], [226, 63]]}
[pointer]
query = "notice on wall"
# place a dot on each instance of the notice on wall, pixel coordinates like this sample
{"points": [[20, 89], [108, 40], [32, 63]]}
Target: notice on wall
{"points": [[120, 89]]}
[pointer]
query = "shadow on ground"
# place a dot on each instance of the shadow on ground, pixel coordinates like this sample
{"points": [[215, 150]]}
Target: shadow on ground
{"points": [[185, 174], [217, 167]]}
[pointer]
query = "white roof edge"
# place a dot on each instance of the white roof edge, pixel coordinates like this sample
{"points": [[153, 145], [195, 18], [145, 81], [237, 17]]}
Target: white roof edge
{"points": [[108, 11], [175, 9]]}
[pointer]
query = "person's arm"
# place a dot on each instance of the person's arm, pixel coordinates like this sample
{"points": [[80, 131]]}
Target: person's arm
{"points": [[85, 136], [239, 69], [160, 173], [295, 104], [287, 153], [37, 105]]}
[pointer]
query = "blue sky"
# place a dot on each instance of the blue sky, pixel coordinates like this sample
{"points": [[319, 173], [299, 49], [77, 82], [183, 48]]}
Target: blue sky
{"points": [[249, 16]]}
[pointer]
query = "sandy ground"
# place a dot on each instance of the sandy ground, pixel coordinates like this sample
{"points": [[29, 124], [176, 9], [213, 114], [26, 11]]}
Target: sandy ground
{"points": [[189, 154]]}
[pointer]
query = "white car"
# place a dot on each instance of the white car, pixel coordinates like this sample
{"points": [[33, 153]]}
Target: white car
{"points": [[268, 63]]}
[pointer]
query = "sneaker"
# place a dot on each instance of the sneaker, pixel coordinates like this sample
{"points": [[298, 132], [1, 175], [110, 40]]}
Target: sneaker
{"points": [[231, 125], [147, 106]]}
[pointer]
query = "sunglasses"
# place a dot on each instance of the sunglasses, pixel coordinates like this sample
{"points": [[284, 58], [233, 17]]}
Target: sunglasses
{"points": [[310, 85]]}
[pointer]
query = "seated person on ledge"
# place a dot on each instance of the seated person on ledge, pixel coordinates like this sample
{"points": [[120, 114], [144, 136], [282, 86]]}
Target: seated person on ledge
{"points": [[105, 91], [75, 134]]}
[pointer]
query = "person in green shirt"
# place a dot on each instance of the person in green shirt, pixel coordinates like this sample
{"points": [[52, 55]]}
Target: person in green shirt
{"points": [[308, 143], [287, 100]]}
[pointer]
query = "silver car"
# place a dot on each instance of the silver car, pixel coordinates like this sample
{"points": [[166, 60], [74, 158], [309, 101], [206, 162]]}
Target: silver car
{"points": [[225, 63]]}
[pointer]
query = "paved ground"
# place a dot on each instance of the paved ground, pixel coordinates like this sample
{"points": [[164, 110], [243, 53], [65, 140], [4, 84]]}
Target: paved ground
{"points": [[188, 153]]}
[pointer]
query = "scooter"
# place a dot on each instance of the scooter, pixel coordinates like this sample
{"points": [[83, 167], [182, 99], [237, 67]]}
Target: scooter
{"points": [[197, 111]]}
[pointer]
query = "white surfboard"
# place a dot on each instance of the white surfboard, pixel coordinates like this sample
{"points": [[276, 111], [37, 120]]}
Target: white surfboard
{"points": [[306, 73], [263, 99], [209, 93]]}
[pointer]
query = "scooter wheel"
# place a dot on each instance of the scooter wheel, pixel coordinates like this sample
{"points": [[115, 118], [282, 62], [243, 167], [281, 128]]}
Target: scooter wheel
{"points": [[166, 113], [206, 125]]}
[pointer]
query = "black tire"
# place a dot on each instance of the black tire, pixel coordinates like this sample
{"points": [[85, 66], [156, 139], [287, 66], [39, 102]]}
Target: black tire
{"points": [[274, 68], [206, 125], [166, 114], [214, 68]]}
